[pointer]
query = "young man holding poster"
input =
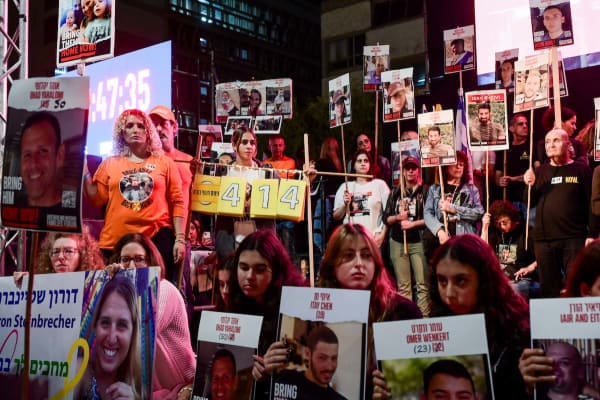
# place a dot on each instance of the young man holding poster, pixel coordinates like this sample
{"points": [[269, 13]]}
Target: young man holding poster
{"points": [[321, 355]]}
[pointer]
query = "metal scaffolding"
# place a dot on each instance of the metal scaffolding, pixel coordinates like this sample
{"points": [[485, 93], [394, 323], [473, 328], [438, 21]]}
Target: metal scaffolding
{"points": [[14, 50]]}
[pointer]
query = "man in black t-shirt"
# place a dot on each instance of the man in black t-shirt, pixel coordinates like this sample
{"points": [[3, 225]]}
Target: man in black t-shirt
{"points": [[321, 352]]}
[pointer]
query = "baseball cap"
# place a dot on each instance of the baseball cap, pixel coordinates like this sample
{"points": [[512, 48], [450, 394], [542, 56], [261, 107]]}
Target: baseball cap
{"points": [[410, 160], [164, 113]]}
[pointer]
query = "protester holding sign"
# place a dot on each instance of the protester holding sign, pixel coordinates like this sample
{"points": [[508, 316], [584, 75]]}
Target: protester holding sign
{"points": [[115, 370], [365, 198], [141, 189], [174, 363], [461, 203], [262, 267], [466, 278], [229, 232], [353, 261], [536, 366]]}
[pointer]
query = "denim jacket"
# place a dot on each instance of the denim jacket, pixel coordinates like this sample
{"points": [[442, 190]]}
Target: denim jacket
{"points": [[468, 213]]}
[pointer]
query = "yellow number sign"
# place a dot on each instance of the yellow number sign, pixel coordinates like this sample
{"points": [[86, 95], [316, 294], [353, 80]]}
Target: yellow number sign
{"points": [[292, 194], [205, 194], [264, 198], [232, 196]]}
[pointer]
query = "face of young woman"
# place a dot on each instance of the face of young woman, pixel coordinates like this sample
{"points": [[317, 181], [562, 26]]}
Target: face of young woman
{"points": [[193, 234], [458, 285], [65, 255], [362, 165], [114, 330], [247, 147], [356, 266], [224, 276], [254, 274], [133, 255]]}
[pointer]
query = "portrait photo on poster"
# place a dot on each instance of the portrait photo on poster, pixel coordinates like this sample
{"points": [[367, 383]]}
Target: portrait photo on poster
{"points": [[551, 23], [398, 95], [505, 69], [234, 123], [265, 124], [129, 296], [459, 49], [85, 31], [457, 377], [323, 361], [436, 138], [487, 120], [531, 83], [376, 60], [223, 371], [43, 154], [279, 100]]}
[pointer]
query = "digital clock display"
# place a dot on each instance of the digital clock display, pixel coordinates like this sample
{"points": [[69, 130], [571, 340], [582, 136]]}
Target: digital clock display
{"points": [[140, 79]]}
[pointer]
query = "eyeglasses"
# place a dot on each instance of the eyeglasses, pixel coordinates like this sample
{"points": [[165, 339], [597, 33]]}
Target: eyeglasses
{"points": [[67, 251], [137, 260], [245, 142]]}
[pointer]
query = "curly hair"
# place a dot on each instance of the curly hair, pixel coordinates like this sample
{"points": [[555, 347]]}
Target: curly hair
{"points": [[284, 273], [90, 257], [382, 287], [506, 312], [153, 143], [587, 136], [154, 257], [584, 270], [503, 207]]}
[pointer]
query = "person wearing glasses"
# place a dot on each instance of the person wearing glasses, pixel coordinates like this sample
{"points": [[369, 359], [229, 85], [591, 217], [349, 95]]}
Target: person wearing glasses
{"points": [[139, 164], [66, 252], [382, 168], [229, 232], [517, 162], [174, 362]]}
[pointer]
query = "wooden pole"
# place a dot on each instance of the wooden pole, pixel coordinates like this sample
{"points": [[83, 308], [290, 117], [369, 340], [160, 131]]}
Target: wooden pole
{"points": [[401, 186], [345, 169], [505, 153], [487, 181], [556, 88], [27, 339], [311, 258], [528, 186], [444, 213]]}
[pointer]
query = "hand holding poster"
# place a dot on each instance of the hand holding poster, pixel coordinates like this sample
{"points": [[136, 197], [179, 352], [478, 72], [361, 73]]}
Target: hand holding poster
{"points": [[459, 46], [429, 350], [398, 95], [567, 330], [226, 344], [531, 88], [43, 154], [551, 23], [436, 136], [486, 120], [325, 337], [376, 60]]}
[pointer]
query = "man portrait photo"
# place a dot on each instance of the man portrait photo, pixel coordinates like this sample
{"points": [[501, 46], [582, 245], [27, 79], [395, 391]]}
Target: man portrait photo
{"points": [[448, 379], [483, 129], [460, 56], [42, 155], [321, 361], [223, 376], [433, 146]]}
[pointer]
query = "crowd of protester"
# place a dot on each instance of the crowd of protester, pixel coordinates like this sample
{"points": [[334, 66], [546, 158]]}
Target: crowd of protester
{"points": [[461, 258]]}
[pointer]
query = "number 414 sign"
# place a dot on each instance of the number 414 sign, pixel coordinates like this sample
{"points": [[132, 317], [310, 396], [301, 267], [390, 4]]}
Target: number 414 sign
{"points": [[270, 198]]}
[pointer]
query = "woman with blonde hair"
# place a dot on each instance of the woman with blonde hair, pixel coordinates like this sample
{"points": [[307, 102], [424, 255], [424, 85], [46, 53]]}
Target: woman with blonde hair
{"points": [[141, 189]]}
